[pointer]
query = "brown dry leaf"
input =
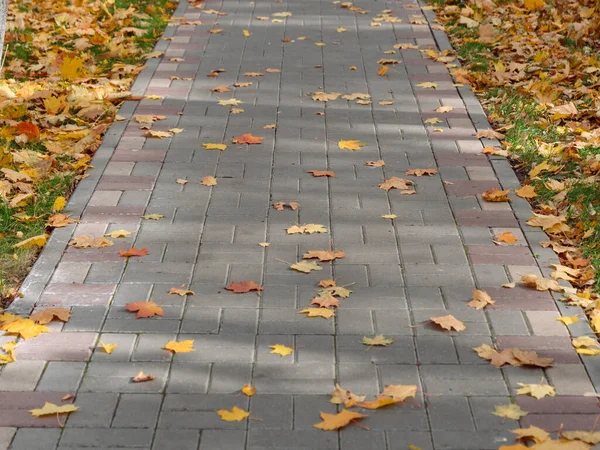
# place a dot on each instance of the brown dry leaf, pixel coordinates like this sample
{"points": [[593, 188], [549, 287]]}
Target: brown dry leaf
{"points": [[181, 292], [496, 195], [242, 84], [59, 220], [48, 315], [428, 85], [270, 126], [481, 299], [588, 437], [222, 88], [306, 229], [444, 109], [449, 322], [241, 287], [378, 163], [550, 223], [322, 173], [540, 284], [324, 255], [158, 134], [90, 242], [489, 134], [145, 309], [305, 266], [526, 192], [134, 252], [324, 96], [421, 172], [280, 206], [327, 283], [337, 421], [341, 396], [209, 181], [506, 238], [494, 151], [326, 301], [395, 183], [247, 139], [379, 340], [253, 74], [141, 377], [531, 358]]}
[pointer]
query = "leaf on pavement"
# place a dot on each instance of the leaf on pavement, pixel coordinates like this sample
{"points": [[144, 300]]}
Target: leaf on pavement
{"points": [[588, 437], [305, 266], [427, 85], [322, 173], [378, 163], [400, 392], [341, 396], [421, 172], [142, 377], [280, 206], [145, 309], [506, 238], [324, 255], [20, 326], [318, 312], [489, 134], [90, 242], [180, 347], [395, 183], [248, 390], [532, 432], [380, 402], [181, 292], [496, 195], [526, 192], [247, 139], [379, 340], [108, 348], [281, 350], [540, 284], [550, 223], [481, 299], [208, 181], [336, 421], [510, 411], [118, 234], [241, 287], [48, 315], [51, 408], [449, 322], [235, 415], [59, 220], [309, 228], [210, 146], [536, 390], [326, 301], [153, 216], [134, 252]]}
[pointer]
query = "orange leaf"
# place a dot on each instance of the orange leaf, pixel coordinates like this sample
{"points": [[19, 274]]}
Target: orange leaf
{"points": [[507, 238], [324, 255], [378, 163], [48, 315], [382, 71], [496, 195], [322, 173], [141, 377], [145, 309], [325, 301], [134, 252], [29, 129], [209, 181], [247, 139], [449, 322], [380, 402], [241, 287], [337, 421]]}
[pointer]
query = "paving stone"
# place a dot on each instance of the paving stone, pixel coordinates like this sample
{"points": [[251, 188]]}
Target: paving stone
{"points": [[35, 439]]}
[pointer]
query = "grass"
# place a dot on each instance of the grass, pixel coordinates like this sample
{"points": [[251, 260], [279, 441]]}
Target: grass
{"points": [[24, 51]]}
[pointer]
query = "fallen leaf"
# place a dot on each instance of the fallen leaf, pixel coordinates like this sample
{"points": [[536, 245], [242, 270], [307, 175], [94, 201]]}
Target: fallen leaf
{"points": [[588, 437], [280, 206], [89, 242], [248, 390], [322, 173], [116, 234], [536, 390], [181, 292], [400, 392], [327, 283], [35, 241], [48, 315], [526, 192], [59, 204], [26, 328], [380, 402], [246, 33], [379, 340], [338, 291], [386, 102], [242, 84], [222, 88], [306, 229], [433, 120], [247, 139], [281, 350], [550, 223], [421, 172], [449, 322], [305, 266], [230, 102], [481, 299], [496, 195], [220, 147], [58, 220], [337, 421], [326, 301], [270, 126], [511, 285], [180, 347], [389, 216], [506, 238], [264, 244], [145, 309], [51, 408], [510, 411], [241, 287], [531, 358], [134, 252], [532, 432], [351, 145], [382, 71], [428, 85], [318, 312], [158, 134], [153, 216], [253, 74], [324, 96], [236, 110], [540, 284], [324, 255], [568, 320], [209, 180], [489, 134], [494, 151], [395, 183], [142, 377], [444, 109], [341, 396], [378, 163], [108, 348]]}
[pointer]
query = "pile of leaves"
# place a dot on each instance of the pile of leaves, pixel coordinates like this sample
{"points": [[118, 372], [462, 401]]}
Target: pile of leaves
{"points": [[69, 64], [534, 65]]}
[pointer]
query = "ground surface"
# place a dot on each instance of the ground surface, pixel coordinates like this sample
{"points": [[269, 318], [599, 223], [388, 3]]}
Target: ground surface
{"points": [[424, 263]]}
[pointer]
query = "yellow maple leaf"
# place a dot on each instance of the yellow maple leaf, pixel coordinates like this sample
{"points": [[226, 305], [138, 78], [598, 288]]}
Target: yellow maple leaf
{"points": [[379, 340], [26, 328], [72, 68], [230, 102], [51, 408], [351, 144], [318, 312], [180, 347], [59, 204], [537, 390], [248, 390], [247, 33], [568, 320], [510, 411], [35, 241], [118, 234], [305, 266], [281, 350], [108, 348], [427, 85], [235, 415], [220, 147], [337, 421], [48, 315]]}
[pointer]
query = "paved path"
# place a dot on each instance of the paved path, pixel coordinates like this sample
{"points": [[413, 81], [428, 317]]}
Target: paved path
{"points": [[423, 263]]}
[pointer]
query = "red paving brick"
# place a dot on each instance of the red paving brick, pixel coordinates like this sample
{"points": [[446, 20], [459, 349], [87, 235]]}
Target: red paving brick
{"points": [[566, 422], [449, 159], [470, 187], [561, 404], [474, 218], [66, 295], [125, 183], [556, 347], [520, 298], [123, 155], [498, 254], [62, 346], [15, 406]]}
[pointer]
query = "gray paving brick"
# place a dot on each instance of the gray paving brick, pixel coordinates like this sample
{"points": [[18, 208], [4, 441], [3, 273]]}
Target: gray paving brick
{"points": [[222, 440], [176, 440], [6, 436], [61, 377], [35, 439], [450, 413], [102, 437], [116, 377], [137, 411], [95, 410]]}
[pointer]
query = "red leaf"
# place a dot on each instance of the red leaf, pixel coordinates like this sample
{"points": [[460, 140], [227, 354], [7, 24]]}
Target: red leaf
{"points": [[134, 252], [29, 129]]}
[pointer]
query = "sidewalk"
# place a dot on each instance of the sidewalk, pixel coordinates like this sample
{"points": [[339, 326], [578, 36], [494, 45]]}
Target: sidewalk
{"points": [[423, 263]]}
